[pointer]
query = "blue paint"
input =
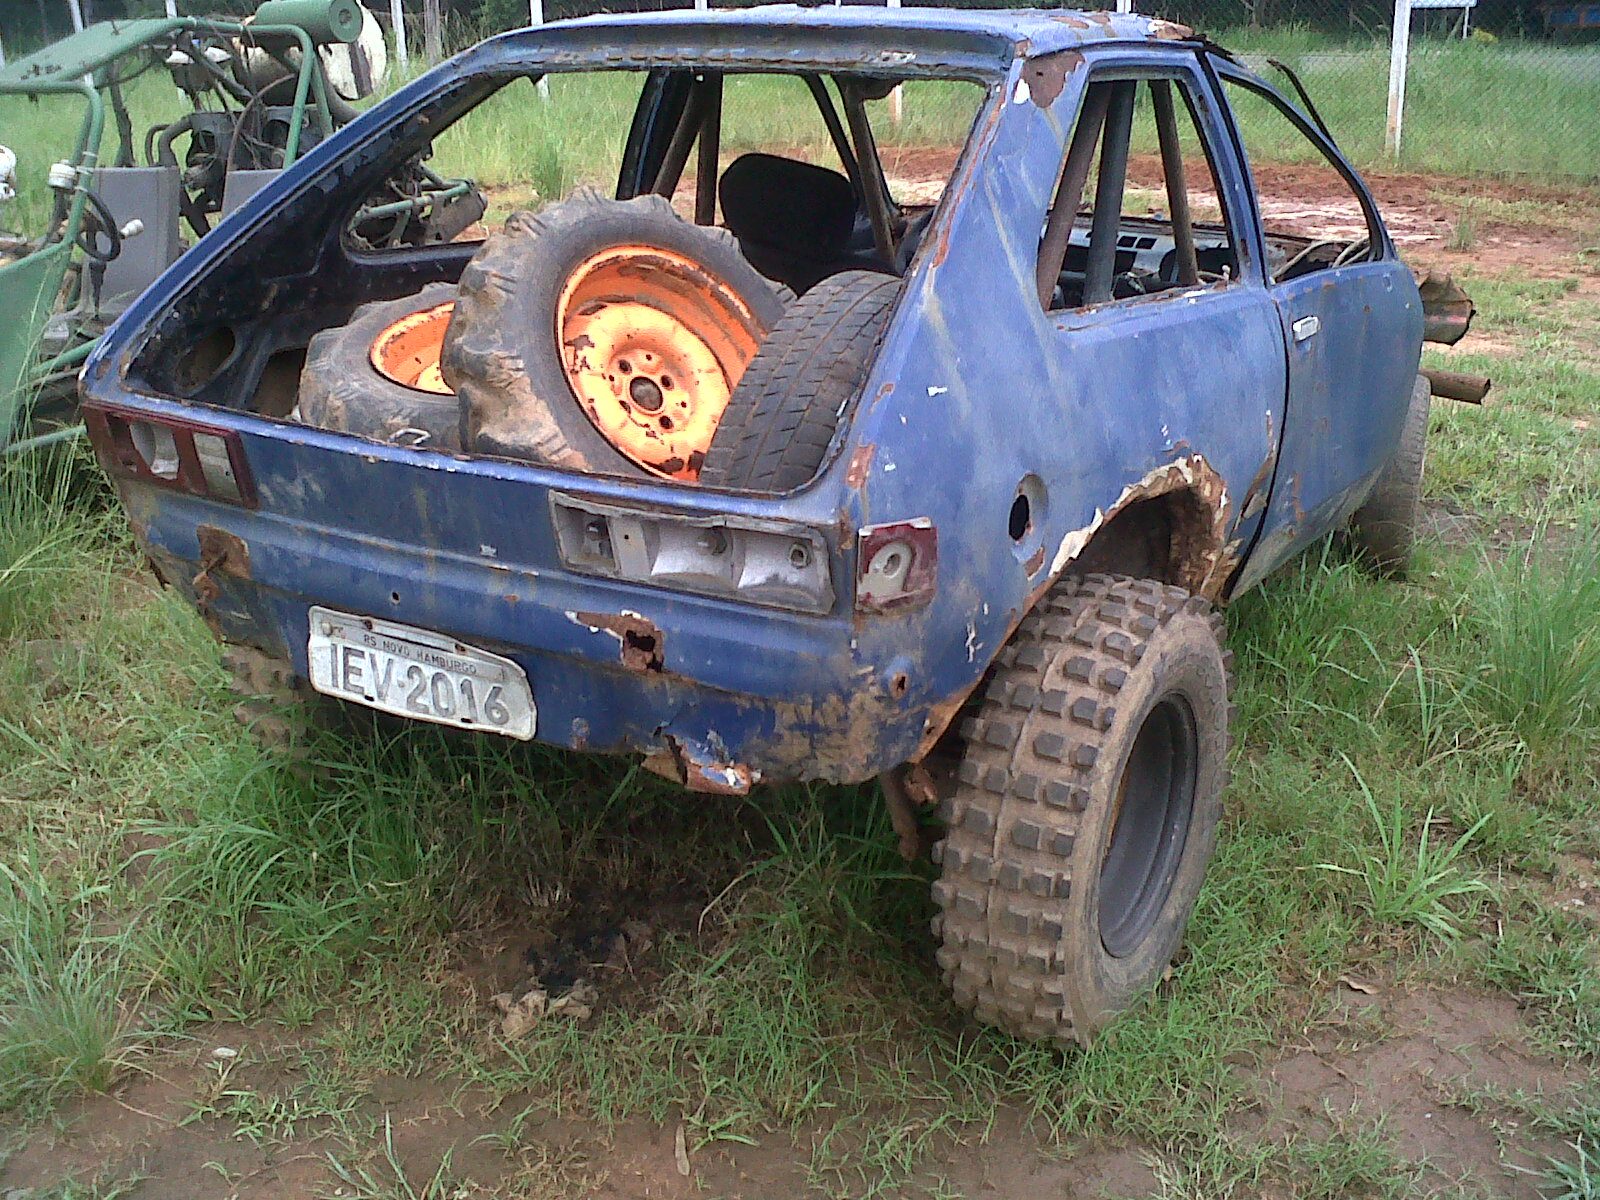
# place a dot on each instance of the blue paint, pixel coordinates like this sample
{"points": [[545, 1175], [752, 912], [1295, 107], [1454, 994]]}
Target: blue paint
{"points": [[974, 389]]}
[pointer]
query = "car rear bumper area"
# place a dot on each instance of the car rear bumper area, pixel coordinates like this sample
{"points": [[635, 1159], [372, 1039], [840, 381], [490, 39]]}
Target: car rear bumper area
{"points": [[714, 695]]}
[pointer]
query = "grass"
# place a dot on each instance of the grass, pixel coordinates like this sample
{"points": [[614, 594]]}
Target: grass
{"points": [[1411, 887], [1416, 769]]}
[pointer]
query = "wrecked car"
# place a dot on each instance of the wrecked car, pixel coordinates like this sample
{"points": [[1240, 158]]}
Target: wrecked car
{"points": [[765, 466]]}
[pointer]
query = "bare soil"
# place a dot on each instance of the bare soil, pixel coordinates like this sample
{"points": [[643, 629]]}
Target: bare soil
{"points": [[1406, 1055], [1406, 1058]]}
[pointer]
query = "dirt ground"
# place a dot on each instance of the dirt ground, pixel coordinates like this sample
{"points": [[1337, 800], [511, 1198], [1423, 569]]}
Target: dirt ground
{"points": [[1409, 1055]]}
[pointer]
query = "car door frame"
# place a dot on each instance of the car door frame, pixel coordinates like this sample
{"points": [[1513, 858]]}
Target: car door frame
{"points": [[1292, 518], [1186, 65]]}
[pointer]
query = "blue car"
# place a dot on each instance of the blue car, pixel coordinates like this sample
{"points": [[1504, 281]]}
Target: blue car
{"points": [[815, 448]]}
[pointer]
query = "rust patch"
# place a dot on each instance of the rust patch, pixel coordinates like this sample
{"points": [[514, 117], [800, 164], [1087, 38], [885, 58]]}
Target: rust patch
{"points": [[1447, 311], [860, 464], [1203, 559], [697, 767], [643, 647], [1046, 76], [219, 551]]}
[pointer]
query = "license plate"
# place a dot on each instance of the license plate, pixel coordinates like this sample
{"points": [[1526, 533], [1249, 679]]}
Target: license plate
{"points": [[414, 673]]}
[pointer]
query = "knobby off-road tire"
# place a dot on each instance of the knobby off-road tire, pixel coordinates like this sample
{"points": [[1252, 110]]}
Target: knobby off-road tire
{"points": [[277, 708], [780, 419], [504, 352], [340, 389], [1085, 809], [1383, 530]]}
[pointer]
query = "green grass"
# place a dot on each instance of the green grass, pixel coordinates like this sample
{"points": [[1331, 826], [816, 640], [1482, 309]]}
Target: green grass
{"points": [[160, 873], [1433, 741], [1507, 107]]}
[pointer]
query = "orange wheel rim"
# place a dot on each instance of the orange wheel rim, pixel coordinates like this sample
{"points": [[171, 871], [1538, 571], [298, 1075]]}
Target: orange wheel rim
{"points": [[652, 344], [407, 351]]}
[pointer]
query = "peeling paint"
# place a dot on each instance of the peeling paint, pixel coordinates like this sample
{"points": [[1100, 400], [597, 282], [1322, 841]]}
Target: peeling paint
{"points": [[1207, 557]]}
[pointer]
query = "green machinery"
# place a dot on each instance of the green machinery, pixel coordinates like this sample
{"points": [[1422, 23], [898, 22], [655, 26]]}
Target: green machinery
{"points": [[260, 93]]}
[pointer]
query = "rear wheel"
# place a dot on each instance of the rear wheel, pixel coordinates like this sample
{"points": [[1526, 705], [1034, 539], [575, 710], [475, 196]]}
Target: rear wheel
{"points": [[1086, 807]]}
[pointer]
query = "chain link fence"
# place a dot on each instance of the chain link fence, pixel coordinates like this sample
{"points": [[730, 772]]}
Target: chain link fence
{"points": [[1494, 87], [1503, 87]]}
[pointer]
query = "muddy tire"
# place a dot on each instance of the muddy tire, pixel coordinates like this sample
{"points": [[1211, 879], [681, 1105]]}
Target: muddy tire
{"points": [[1085, 809], [1383, 531], [781, 418], [558, 314], [276, 707], [341, 389]]}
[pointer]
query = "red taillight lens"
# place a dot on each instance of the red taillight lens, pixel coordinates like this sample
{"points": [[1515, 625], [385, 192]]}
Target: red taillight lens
{"points": [[897, 565], [186, 455]]}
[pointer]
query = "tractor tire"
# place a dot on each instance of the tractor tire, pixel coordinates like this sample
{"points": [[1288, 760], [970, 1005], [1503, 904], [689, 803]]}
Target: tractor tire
{"points": [[780, 419], [1085, 808], [1383, 531], [342, 389], [606, 336]]}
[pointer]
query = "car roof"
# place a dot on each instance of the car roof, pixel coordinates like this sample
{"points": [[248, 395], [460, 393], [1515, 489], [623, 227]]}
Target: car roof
{"points": [[1028, 31]]}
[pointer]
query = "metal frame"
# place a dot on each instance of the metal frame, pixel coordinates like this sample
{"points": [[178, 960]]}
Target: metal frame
{"points": [[22, 376]]}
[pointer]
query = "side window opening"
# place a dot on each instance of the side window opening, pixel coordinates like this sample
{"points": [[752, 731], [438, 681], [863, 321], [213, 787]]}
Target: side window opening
{"points": [[1153, 221], [1136, 210], [1313, 217]]}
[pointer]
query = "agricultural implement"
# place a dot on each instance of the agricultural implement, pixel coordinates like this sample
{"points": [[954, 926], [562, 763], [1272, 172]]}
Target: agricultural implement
{"points": [[260, 92]]}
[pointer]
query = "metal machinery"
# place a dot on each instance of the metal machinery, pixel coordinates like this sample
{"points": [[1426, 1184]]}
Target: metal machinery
{"points": [[260, 92]]}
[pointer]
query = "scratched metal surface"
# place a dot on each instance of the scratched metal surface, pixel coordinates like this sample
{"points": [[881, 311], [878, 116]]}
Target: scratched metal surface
{"points": [[974, 387]]}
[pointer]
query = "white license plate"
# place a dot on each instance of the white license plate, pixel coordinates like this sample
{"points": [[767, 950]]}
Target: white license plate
{"points": [[414, 673]]}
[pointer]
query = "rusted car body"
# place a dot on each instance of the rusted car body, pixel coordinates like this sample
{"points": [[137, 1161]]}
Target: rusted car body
{"points": [[1202, 435]]}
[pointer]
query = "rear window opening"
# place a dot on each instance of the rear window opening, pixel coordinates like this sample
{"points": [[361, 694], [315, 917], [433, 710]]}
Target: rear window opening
{"points": [[774, 190]]}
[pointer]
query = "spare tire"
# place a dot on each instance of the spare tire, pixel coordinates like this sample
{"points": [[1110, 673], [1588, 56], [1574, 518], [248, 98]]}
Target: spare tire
{"points": [[377, 375], [781, 417], [605, 335]]}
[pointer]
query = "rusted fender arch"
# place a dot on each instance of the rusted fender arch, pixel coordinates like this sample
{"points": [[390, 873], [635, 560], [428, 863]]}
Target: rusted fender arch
{"points": [[1203, 557]]}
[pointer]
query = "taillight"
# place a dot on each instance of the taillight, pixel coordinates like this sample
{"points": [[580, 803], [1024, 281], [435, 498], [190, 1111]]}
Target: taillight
{"points": [[897, 565], [741, 558], [172, 452]]}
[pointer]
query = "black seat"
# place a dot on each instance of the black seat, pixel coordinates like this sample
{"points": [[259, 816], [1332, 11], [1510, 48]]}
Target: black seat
{"points": [[793, 220]]}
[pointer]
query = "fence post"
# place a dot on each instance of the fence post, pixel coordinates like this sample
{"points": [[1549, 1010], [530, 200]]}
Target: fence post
{"points": [[397, 18], [536, 17], [897, 104], [172, 8], [432, 32], [77, 16], [1399, 48]]}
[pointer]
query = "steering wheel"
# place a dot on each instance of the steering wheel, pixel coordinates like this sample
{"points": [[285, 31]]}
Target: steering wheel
{"points": [[99, 221], [1305, 252], [1353, 251]]}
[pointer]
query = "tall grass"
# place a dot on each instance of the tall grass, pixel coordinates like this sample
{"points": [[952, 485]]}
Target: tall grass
{"points": [[49, 535], [1536, 618], [63, 1024]]}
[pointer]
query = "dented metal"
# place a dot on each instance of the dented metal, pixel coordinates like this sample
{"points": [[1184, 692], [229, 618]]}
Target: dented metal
{"points": [[731, 637]]}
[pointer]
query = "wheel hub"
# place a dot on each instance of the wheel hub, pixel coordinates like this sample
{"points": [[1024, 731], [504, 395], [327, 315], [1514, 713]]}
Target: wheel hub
{"points": [[407, 352], [652, 346], [1150, 824]]}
